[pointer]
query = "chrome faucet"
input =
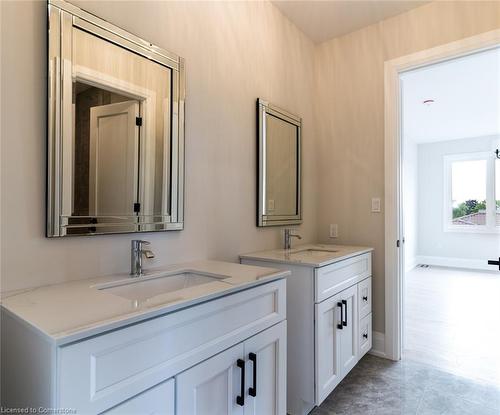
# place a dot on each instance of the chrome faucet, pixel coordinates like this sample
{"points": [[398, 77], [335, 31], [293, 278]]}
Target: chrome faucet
{"points": [[136, 253], [288, 237]]}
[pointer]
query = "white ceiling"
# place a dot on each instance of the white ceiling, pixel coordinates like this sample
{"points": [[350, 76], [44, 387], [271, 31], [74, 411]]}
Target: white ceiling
{"points": [[323, 20], [466, 92]]}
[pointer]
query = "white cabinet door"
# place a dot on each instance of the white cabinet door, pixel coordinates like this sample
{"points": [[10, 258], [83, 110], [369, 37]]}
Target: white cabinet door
{"points": [[327, 339], [336, 340], [213, 386], [349, 334], [265, 354], [159, 400]]}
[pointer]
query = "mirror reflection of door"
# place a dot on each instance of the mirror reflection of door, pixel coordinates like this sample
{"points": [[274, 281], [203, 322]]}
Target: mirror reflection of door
{"points": [[114, 145], [106, 141]]}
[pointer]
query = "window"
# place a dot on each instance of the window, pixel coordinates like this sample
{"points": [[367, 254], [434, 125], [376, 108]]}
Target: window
{"points": [[472, 192], [497, 192]]}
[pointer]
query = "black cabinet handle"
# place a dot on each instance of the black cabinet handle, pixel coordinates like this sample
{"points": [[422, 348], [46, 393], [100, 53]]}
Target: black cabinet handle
{"points": [[253, 390], [365, 298], [340, 326], [493, 262], [344, 322], [240, 400], [365, 335]]}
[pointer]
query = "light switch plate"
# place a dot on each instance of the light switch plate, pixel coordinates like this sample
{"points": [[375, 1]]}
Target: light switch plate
{"points": [[376, 204]]}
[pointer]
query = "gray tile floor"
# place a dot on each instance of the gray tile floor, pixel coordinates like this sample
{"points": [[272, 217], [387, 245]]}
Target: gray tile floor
{"points": [[381, 387]]}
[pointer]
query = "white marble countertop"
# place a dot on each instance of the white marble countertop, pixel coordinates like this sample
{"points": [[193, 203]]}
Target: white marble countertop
{"points": [[310, 255], [75, 310]]}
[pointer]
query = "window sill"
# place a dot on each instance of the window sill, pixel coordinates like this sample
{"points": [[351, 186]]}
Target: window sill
{"points": [[472, 229]]}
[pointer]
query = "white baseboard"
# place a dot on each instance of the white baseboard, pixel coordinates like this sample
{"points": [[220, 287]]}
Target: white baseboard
{"points": [[378, 344], [479, 264], [411, 263]]}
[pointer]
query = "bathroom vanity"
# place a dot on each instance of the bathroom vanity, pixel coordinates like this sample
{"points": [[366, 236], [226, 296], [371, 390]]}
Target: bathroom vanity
{"points": [[328, 315], [205, 337]]}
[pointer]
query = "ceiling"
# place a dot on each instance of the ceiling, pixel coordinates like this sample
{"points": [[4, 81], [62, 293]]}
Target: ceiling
{"points": [[324, 20], [466, 94]]}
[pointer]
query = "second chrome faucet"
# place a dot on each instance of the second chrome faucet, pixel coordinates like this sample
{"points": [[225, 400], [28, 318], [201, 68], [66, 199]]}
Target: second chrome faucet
{"points": [[288, 237], [136, 252]]}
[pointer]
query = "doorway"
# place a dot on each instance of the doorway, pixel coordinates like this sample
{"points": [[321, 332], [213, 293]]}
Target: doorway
{"points": [[460, 281], [451, 214]]}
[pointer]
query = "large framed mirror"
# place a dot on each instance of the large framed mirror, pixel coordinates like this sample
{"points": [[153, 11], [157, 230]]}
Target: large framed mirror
{"points": [[279, 172], [115, 148]]}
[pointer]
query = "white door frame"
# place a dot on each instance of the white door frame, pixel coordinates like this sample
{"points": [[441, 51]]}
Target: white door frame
{"points": [[393, 169]]}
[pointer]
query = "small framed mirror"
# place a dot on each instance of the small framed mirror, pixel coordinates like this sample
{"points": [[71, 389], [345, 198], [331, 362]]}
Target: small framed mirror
{"points": [[115, 146], [279, 172]]}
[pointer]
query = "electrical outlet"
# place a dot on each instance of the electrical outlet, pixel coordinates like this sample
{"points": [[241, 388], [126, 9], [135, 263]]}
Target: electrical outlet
{"points": [[376, 204], [334, 230]]}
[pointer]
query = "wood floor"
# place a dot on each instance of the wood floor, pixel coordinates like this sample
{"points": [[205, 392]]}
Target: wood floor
{"points": [[452, 321]]}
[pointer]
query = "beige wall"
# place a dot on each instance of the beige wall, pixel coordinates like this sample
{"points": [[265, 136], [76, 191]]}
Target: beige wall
{"points": [[350, 109], [235, 52]]}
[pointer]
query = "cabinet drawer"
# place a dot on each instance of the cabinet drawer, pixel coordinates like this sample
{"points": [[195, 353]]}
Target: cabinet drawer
{"points": [[159, 400], [365, 297], [99, 373], [365, 335], [336, 277]]}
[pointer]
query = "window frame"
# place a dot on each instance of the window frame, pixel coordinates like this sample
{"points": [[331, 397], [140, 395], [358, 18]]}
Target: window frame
{"points": [[490, 226]]}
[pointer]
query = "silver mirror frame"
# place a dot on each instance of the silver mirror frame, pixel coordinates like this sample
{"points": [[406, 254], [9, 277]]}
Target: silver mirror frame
{"points": [[62, 17], [263, 219]]}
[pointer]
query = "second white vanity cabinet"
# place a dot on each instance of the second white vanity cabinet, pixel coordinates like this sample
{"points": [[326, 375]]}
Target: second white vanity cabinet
{"points": [[328, 316]]}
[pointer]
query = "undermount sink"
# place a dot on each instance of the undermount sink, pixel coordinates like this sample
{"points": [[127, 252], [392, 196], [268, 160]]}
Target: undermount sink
{"points": [[144, 288], [313, 251]]}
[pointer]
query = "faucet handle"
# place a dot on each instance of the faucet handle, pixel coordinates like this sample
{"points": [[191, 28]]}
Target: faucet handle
{"points": [[139, 242]]}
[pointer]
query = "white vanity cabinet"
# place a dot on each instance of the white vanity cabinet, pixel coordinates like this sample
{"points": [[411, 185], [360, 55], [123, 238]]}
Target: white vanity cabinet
{"points": [[328, 317], [196, 360]]}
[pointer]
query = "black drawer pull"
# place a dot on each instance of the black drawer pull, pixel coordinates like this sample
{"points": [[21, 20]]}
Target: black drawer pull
{"points": [[240, 400], [365, 298], [340, 326], [365, 335], [252, 391], [344, 323]]}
